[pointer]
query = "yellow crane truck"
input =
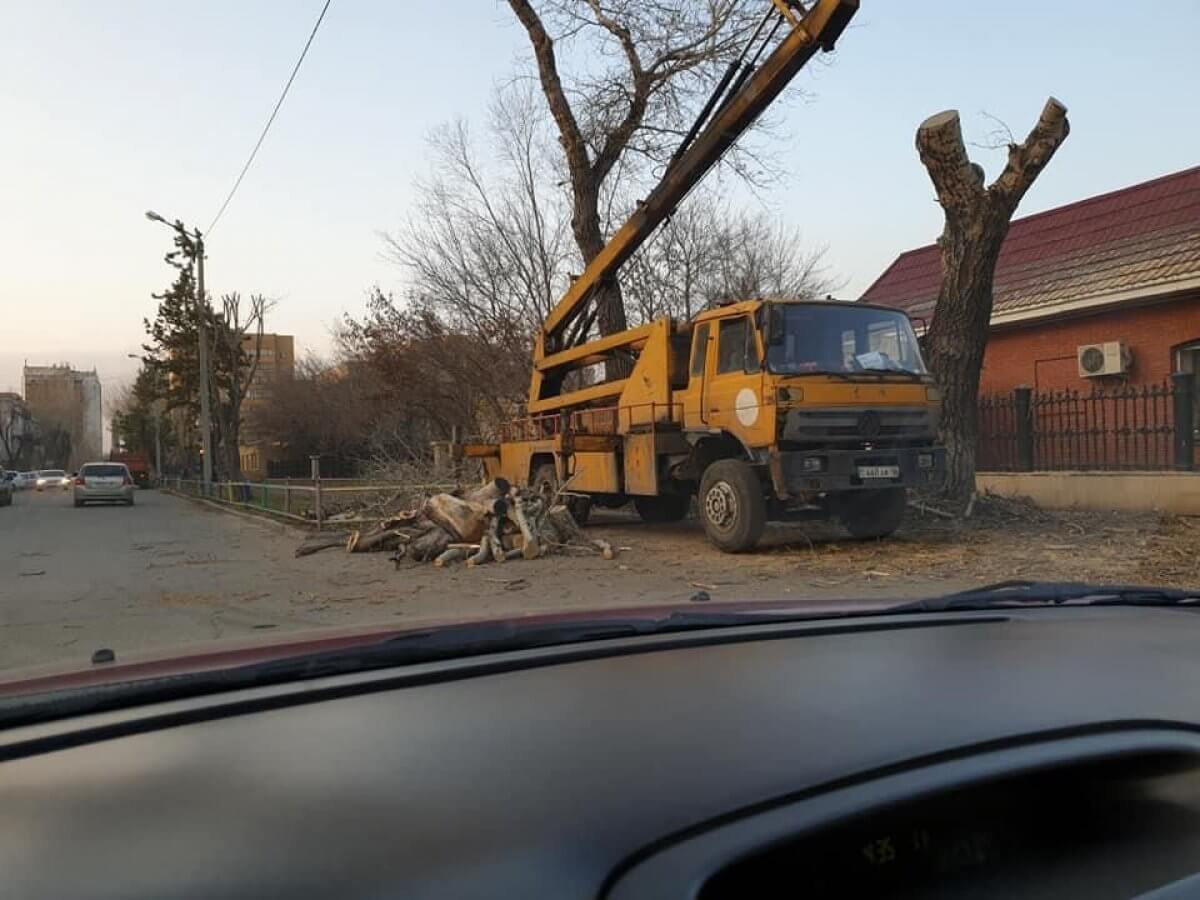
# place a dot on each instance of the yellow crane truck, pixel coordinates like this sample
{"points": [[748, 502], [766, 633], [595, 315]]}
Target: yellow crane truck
{"points": [[761, 409]]}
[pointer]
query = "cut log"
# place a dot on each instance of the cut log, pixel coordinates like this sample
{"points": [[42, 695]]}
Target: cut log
{"points": [[463, 520], [486, 493], [402, 519], [483, 554], [382, 539], [531, 549], [429, 545], [562, 523], [495, 535], [450, 555], [323, 541]]}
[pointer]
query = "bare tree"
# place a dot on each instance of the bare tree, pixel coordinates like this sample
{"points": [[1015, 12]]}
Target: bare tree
{"points": [[642, 66], [976, 223], [16, 432], [237, 335], [487, 248], [708, 251]]}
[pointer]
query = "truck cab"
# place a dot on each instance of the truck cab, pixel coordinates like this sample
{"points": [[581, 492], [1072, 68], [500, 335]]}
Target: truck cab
{"points": [[827, 402]]}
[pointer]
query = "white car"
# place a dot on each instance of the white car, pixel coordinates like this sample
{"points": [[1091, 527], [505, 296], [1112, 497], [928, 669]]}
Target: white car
{"points": [[52, 478], [104, 482], [25, 480]]}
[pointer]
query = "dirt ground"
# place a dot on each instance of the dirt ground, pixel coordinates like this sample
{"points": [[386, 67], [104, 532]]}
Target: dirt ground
{"points": [[1003, 539]]}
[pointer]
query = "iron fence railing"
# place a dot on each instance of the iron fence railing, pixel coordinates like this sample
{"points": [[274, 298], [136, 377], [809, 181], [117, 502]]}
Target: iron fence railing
{"points": [[1144, 428], [317, 502]]}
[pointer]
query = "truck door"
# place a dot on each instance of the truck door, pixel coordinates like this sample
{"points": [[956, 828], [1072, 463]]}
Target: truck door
{"points": [[732, 397]]}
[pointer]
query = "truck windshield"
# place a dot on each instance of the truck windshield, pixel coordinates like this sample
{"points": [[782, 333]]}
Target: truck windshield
{"points": [[811, 338]]}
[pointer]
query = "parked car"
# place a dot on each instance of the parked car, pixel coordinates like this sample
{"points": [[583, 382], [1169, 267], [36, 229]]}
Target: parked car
{"points": [[52, 478], [107, 482], [25, 480], [6, 488]]}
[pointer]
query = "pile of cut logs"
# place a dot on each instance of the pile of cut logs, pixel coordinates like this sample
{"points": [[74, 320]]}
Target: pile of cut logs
{"points": [[494, 522]]}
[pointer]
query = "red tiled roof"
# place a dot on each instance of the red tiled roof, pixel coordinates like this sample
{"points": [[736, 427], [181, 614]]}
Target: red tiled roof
{"points": [[1144, 236]]}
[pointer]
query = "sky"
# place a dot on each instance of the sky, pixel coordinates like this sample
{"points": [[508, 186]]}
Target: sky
{"points": [[110, 109]]}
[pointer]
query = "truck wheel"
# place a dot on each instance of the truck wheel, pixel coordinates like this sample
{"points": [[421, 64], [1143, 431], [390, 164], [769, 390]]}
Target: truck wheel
{"points": [[872, 514], [545, 482], [732, 505], [663, 508]]}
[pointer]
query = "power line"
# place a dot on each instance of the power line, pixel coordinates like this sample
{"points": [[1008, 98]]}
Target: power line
{"points": [[274, 113]]}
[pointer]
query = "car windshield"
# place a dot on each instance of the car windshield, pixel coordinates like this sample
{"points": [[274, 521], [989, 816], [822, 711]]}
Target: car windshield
{"points": [[841, 338], [415, 314]]}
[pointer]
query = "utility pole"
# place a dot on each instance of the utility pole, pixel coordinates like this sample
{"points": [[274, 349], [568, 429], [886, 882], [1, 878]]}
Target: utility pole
{"points": [[205, 384]]}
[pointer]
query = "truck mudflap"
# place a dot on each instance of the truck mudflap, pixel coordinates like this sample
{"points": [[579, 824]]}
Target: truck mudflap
{"points": [[795, 472]]}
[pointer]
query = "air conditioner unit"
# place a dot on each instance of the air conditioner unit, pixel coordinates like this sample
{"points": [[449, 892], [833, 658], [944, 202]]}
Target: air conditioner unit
{"points": [[1109, 358]]}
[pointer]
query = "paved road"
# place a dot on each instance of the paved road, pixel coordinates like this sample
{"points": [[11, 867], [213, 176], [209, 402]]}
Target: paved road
{"points": [[169, 572], [165, 571]]}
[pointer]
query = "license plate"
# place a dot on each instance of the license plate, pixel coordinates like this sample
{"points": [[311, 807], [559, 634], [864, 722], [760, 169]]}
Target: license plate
{"points": [[878, 471]]}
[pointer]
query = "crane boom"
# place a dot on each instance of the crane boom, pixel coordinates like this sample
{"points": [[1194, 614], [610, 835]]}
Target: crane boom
{"points": [[816, 28]]}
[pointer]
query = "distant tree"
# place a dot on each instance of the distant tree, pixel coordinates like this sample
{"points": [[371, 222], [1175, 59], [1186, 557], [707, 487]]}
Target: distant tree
{"points": [[436, 377], [709, 251], [137, 415], [976, 222], [487, 248], [237, 336], [172, 354], [17, 435], [329, 408]]}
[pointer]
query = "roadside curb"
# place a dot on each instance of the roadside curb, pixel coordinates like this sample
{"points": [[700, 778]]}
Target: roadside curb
{"points": [[262, 518]]}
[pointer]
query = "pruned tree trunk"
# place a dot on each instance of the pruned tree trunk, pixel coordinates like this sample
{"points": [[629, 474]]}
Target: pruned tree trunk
{"points": [[976, 223]]}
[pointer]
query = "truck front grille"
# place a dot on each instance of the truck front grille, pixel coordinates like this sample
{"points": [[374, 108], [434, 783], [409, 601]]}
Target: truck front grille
{"points": [[847, 427]]}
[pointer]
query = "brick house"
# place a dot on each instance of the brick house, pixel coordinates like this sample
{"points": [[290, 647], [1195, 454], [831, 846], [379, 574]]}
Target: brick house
{"points": [[1119, 273]]}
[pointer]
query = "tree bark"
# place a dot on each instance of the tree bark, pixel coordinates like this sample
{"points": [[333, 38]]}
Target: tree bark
{"points": [[976, 223]]}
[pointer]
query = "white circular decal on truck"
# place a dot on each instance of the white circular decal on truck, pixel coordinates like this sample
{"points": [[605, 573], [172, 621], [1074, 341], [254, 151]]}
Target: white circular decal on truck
{"points": [[746, 407]]}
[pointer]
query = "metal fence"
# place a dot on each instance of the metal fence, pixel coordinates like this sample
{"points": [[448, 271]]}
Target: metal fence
{"points": [[319, 502], [1146, 428]]}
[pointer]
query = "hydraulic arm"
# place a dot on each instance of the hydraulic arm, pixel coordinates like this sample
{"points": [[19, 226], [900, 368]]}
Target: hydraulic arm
{"points": [[744, 92]]}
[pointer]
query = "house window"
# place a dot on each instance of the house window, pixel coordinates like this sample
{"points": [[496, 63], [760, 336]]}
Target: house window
{"points": [[1187, 359]]}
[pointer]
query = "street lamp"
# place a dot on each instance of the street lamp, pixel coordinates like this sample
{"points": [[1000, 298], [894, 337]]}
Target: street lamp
{"points": [[202, 307]]}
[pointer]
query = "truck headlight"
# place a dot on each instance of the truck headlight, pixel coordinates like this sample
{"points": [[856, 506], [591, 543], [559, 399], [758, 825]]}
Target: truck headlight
{"points": [[812, 464], [925, 460]]}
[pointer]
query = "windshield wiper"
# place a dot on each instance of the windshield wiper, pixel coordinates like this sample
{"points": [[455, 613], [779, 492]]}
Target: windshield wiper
{"points": [[844, 376], [878, 371], [1019, 593]]}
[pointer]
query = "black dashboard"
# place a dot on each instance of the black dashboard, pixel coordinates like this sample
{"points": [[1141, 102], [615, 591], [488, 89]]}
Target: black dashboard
{"points": [[1042, 752]]}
